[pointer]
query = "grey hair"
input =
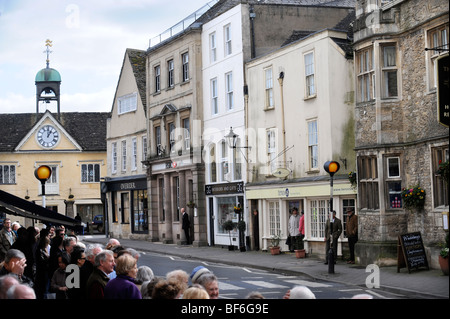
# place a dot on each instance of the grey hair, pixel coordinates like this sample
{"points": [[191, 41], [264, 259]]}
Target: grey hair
{"points": [[90, 249], [101, 256], [206, 278], [133, 253], [13, 253], [301, 292], [144, 273]]}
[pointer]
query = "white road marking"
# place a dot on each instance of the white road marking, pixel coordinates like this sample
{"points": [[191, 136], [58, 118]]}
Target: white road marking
{"points": [[264, 284], [308, 283]]}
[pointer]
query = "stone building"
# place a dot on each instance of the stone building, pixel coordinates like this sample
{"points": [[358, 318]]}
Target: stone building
{"points": [[399, 141], [125, 184]]}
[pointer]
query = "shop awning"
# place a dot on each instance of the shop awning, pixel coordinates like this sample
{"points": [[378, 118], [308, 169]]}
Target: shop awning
{"points": [[14, 205]]}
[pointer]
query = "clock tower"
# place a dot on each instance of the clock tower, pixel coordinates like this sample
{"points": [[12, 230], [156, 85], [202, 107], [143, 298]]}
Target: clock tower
{"points": [[48, 82]]}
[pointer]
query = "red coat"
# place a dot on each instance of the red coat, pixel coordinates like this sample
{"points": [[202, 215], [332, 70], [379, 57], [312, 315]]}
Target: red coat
{"points": [[301, 225]]}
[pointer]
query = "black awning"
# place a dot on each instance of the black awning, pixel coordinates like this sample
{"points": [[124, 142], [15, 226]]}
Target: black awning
{"points": [[14, 205]]}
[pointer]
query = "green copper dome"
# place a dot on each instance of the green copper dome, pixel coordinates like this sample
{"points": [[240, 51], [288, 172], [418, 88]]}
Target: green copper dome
{"points": [[48, 75]]}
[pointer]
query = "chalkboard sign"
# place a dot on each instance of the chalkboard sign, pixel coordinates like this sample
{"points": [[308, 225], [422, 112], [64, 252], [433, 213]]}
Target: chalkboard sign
{"points": [[410, 252]]}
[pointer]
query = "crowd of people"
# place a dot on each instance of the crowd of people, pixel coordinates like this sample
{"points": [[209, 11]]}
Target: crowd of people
{"points": [[52, 264]]}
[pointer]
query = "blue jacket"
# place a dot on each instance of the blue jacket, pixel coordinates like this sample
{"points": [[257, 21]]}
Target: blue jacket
{"points": [[122, 287]]}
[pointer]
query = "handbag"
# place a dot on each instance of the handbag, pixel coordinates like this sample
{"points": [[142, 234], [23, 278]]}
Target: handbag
{"points": [[288, 240]]}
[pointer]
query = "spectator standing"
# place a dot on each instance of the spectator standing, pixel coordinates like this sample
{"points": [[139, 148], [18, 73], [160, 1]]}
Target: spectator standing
{"points": [[352, 233], [14, 264], [293, 229], [333, 229], [7, 238], [186, 225], [58, 280], [211, 284], [42, 258], [97, 281], [123, 286]]}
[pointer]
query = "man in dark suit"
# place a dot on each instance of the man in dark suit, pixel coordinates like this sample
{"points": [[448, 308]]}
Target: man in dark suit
{"points": [[333, 229], [186, 225]]}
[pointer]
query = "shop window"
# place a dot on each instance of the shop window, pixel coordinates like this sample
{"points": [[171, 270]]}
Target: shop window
{"points": [[140, 211], [318, 217], [226, 211], [274, 218]]}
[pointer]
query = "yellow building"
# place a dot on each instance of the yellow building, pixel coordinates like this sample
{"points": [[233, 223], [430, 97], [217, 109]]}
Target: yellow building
{"points": [[73, 144]]}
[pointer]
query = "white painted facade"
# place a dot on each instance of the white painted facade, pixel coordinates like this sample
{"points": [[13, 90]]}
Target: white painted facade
{"points": [[222, 57], [321, 119]]}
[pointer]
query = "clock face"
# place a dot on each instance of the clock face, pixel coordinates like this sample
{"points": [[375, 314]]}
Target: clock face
{"points": [[47, 136]]}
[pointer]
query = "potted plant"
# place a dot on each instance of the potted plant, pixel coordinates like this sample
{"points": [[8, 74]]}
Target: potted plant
{"points": [[275, 244], [238, 209], [228, 226], [299, 248], [443, 257]]}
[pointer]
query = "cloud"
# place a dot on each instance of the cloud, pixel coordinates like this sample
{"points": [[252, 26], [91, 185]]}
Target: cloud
{"points": [[89, 42]]}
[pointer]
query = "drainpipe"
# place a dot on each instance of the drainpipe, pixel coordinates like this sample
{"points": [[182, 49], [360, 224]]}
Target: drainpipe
{"points": [[280, 80], [252, 31]]}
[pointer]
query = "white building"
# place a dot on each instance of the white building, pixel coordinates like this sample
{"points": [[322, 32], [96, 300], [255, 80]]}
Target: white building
{"points": [[300, 102], [223, 97]]}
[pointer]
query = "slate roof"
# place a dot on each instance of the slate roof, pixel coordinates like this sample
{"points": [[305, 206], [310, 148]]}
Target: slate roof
{"points": [[345, 25], [137, 59], [87, 128]]}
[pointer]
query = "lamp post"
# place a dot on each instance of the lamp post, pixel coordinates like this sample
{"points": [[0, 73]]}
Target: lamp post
{"points": [[331, 167], [43, 173]]}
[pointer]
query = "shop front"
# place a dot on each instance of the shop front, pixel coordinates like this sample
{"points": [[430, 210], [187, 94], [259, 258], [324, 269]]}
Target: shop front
{"points": [[274, 204], [222, 200], [127, 206]]}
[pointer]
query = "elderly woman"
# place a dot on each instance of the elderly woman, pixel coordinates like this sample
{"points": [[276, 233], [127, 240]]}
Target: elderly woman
{"points": [[123, 286]]}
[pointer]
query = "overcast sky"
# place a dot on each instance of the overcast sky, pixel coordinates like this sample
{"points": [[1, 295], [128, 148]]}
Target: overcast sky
{"points": [[89, 41]]}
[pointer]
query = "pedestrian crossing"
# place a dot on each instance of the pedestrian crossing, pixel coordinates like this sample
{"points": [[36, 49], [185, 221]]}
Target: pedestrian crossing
{"points": [[276, 287]]}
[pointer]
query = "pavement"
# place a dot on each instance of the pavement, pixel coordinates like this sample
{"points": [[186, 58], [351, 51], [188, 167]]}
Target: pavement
{"points": [[420, 283]]}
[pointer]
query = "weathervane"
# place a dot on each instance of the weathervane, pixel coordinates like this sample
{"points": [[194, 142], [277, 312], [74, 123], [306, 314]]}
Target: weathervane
{"points": [[48, 44]]}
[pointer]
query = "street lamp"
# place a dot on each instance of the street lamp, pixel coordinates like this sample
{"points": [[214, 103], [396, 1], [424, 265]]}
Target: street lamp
{"points": [[43, 173], [331, 167], [232, 139]]}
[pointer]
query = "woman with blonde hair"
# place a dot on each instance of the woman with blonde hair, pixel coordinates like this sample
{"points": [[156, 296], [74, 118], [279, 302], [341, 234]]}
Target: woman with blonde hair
{"points": [[195, 292], [123, 286]]}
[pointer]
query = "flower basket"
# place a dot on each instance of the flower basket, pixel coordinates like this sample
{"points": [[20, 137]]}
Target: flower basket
{"points": [[238, 209], [413, 197], [352, 179], [190, 204]]}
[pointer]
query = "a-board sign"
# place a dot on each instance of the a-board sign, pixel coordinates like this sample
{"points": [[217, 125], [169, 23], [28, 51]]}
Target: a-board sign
{"points": [[410, 252]]}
